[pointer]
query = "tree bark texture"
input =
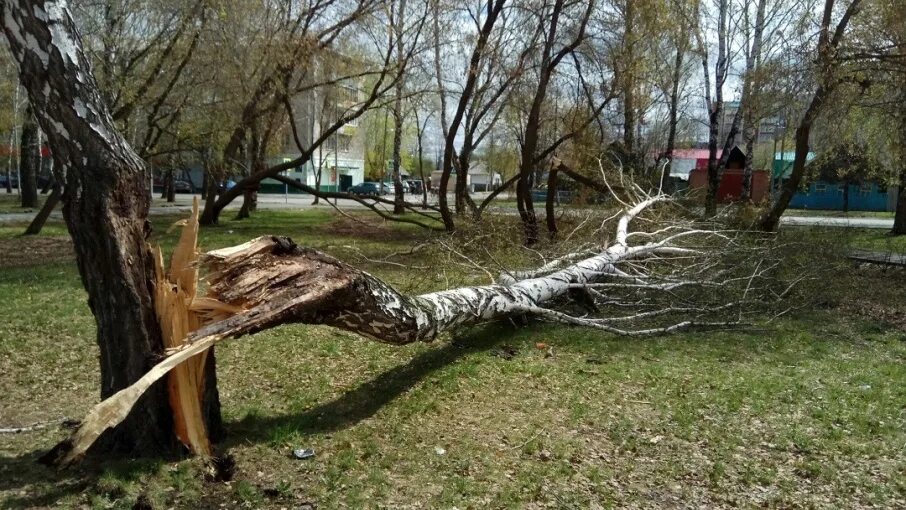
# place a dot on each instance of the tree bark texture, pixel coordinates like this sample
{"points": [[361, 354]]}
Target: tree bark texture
{"points": [[552, 200], [399, 26], [105, 207]]}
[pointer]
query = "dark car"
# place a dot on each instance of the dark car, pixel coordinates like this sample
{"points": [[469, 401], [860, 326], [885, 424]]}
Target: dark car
{"points": [[415, 186], [183, 187], [366, 189]]}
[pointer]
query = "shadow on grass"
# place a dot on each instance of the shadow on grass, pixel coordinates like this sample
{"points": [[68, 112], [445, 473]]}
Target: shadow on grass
{"points": [[369, 397], [29, 484]]}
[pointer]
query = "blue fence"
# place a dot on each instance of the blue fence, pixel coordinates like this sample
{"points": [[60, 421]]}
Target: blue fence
{"points": [[829, 196]]}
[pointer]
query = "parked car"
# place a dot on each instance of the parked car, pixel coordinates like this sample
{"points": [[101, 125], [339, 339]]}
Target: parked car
{"points": [[415, 186], [181, 186], [366, 189]]}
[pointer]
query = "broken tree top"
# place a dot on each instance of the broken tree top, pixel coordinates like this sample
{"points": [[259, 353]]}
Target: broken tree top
{"points": [[270, 281]]}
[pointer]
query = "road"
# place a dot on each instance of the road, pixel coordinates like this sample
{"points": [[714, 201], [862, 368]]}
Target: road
{"points": [[297, 202], [183, 204]]}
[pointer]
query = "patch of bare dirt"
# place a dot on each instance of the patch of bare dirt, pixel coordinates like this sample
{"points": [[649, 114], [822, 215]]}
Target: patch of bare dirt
{"points": [[31, 250], [370, 227]]}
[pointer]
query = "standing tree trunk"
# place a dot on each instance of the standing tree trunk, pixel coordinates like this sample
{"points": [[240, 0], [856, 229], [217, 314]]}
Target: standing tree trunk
{"points": [[204, 184], [846, 195], [12, 140], [421, 159], [827, 45], [169, 187], [398, 198], [37, 223], [899, 220], [29, 162], [674, 112], [771, 218], [493, 11], [549, 61], [629, 61], [552, 199], [106, 208], [749, 93], [164, 184], [716, 112], [398, 207]]}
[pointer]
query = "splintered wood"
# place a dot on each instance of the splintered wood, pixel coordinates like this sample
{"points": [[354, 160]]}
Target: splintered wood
{"points": [[180, 312]]}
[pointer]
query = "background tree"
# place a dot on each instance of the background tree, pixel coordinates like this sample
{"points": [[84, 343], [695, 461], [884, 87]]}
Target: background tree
{"points": [[827, 79]]}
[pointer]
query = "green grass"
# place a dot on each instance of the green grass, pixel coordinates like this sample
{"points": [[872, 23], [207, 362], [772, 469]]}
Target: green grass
{"points": [[854, 238], [12, 203], [873, 239], [802, 411]]}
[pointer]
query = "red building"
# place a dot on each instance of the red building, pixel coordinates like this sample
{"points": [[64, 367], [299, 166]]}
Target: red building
{"points": [[730, 188]]}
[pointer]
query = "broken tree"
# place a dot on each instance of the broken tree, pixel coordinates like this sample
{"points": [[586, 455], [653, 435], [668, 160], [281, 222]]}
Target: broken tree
{"points": [[271, 281], [105, 207]]}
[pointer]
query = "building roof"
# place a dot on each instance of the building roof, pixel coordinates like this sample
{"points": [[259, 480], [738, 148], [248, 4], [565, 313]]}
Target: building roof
{"points": [[479, 167], [783, 163]]}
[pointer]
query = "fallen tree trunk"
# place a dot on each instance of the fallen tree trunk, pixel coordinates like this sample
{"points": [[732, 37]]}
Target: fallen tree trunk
{"points": [[271, 281]]}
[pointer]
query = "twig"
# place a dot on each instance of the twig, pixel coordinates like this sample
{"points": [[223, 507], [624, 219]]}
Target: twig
{"points": [[34, 426]]}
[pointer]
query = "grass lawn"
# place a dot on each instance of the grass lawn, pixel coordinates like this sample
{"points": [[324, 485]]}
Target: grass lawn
{"points": [[806, 410], [12, 202]]}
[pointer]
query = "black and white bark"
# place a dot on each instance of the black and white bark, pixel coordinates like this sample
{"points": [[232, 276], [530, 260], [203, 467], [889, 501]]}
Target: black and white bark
{"points": [[105, 207], [399, 27], [716, 107], [750, 97]]}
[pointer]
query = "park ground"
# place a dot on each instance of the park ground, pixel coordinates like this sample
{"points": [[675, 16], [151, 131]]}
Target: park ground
{"points": [[801, 410]]}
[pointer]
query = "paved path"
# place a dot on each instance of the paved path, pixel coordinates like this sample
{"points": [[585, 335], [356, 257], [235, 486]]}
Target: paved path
{"points": [[879, 257], [828, 221]]}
